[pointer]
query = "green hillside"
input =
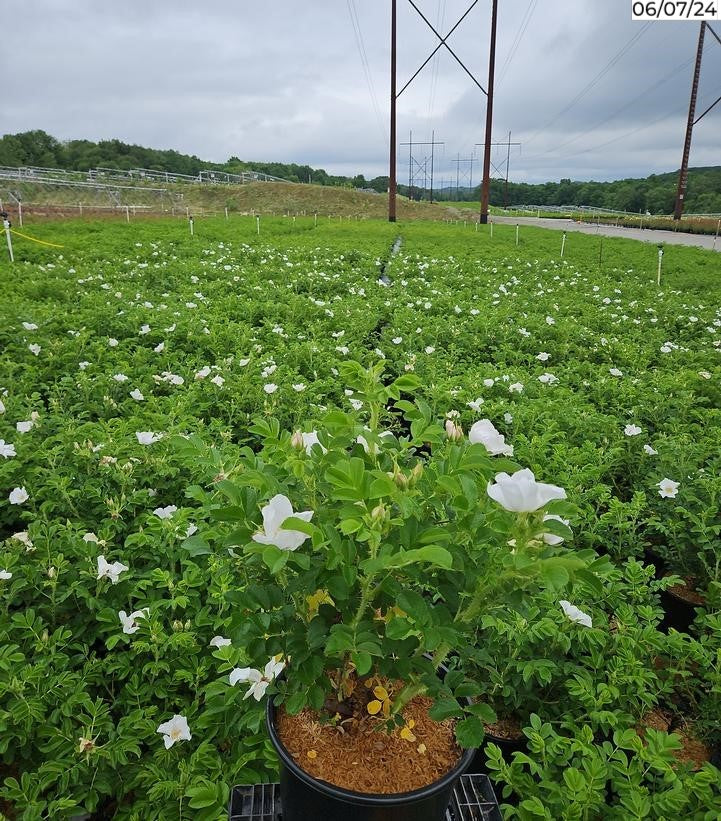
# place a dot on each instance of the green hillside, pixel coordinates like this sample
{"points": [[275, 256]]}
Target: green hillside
{"points": [[655, 193]]}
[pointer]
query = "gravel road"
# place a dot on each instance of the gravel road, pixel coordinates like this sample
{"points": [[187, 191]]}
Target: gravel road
{"points": [[644, 235]]}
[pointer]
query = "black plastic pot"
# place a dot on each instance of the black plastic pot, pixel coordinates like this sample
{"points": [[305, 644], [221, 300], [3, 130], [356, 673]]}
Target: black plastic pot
{"points": [[651, 557], [508, 747], [678, 613], [305, 798]]}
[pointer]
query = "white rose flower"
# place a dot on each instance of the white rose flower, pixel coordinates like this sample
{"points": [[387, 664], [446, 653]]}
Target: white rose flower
{"points": [[485, 433], [310, 439], [146, 437], [575, 615], [668, 489], [552, 538], [521, 493], [6, 449], [259, 681], [130, 622], [176, 729], [165, 512], [110, 571], [18, 496], [274, 514]]}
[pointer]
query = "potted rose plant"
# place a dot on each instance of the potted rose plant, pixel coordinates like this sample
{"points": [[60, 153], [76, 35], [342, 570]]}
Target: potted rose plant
{"points": [[363, 575]]}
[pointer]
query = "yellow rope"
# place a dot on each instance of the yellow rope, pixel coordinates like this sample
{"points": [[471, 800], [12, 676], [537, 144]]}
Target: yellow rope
{"points": [[32, 239]]}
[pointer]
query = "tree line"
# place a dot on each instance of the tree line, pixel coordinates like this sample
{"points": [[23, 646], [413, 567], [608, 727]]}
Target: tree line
{"points": [[654, 194]]}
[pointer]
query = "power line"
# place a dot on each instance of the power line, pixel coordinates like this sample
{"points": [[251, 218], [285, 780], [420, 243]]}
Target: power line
{"points": [[616, 112], [643, 127], [601, 74], [525, 20], [355, 22], [440, 20]]}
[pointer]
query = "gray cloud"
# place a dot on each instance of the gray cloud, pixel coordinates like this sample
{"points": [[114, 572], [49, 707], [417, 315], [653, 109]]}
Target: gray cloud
{"points": [[284, 81]]}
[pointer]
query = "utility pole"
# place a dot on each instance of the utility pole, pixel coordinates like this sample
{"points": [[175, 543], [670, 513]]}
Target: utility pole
{"points": [[485, 189], [458, 162], [392, 185], [442, 43], [508, 145], [410, 164], [433, 140], [508, 165], [683, 174], [420, 168]]}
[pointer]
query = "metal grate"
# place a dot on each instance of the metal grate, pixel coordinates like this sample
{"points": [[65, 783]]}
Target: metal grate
{"points": [[472, 800], [258, 803]]}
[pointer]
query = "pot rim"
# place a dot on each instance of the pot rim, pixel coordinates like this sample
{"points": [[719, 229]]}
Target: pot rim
{"points": [[351, 796]]}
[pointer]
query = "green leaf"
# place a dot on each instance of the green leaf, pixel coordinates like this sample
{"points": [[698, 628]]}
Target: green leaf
{"points": [[363, 662], [408, 383], [484, 711], [432, 554], [574, 780], [228, 514], [295, 703], [204, 795], [382, 486], [294, 523], [534, 806], [445, 708], [469, 732], [196, 545], [554, 576]]}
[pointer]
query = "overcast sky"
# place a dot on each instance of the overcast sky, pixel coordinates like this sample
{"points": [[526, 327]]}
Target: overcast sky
{"points": [[291, 81]]}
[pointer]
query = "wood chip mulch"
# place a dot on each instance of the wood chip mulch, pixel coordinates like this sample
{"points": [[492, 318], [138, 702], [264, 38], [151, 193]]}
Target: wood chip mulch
{"points": [[365, 758]]}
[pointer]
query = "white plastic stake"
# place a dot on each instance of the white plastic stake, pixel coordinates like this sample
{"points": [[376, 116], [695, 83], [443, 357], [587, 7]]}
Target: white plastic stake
{"points": [[563, 244], [491, 229], [20, 213], [516, 234], [226, 213], [476, 227], [192, 226], [6, 225], [127, 214], [713, 247], [257, 225], [660, 259], [315, 220], [294, 220]]}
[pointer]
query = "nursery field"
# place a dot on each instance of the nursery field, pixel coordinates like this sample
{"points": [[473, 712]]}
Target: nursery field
{"points": [[151, 383]]}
